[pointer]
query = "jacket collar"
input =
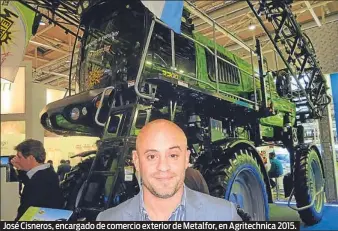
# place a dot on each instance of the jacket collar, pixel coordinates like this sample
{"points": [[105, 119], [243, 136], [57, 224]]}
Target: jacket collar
{"points": [[34, 170], [132, 210], [194, 206]]}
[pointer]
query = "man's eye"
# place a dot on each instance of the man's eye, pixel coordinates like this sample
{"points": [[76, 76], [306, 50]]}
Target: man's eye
{"points": [[151, 157], [175, 156]]}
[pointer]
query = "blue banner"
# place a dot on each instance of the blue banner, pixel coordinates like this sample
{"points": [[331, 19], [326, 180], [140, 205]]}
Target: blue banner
{"points": [[168, 11], [334, 87]]}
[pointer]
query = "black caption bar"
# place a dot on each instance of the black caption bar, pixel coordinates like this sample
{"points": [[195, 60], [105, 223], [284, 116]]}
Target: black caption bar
{"points": [[188, 225]]}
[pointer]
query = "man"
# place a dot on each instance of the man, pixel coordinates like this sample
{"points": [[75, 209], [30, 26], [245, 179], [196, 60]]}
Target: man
{"points": [[63, 169], [276, 169], [41, 189], [50, 162], [161, 159]]}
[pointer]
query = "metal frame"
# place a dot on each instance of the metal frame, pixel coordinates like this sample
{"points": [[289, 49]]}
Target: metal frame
{"points": [[143, 59], [66, 13], [300, 65], [321, 191], [100, 106], [216, 26]]}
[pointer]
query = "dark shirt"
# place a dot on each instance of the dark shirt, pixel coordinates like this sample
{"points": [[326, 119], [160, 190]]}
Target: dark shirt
{"points": [[276, 169], [22, 176], [62, 170], [195, 181], [42, 190]]}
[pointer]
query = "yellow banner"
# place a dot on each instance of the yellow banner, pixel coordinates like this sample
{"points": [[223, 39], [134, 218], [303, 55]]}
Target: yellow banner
{"points": [[16, 23]]}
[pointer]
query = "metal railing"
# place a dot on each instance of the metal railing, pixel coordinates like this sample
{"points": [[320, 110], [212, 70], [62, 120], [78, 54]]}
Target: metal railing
{"points": [[174, 69], [143, 59], [100, 106], [317, 194]]}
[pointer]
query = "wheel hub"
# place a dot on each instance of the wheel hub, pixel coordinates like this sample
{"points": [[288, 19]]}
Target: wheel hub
{"points": [[246, 193]]}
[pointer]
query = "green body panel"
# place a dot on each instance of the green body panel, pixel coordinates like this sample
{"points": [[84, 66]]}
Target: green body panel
{"points": [[64, 123], [244, 89], [280, 105], [266, 131], [246, 81]]}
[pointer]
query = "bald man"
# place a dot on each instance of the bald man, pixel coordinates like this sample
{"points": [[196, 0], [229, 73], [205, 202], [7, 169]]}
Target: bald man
{"points": [[161, 159]]}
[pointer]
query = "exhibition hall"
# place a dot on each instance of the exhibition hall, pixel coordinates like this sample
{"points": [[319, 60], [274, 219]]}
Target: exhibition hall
{"points": [[169, 110]]}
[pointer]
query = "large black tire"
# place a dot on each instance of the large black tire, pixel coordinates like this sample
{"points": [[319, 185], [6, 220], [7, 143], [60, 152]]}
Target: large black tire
{"points": [[309, 179], [236, 170], [73, 182]]}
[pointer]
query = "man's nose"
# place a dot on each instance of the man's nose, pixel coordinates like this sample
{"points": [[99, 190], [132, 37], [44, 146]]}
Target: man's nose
{"points": [[163, 164]]}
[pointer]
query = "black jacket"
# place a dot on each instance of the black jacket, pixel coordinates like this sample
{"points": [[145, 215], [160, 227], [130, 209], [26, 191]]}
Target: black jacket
{"points": [[62, 170], [42, 190]]}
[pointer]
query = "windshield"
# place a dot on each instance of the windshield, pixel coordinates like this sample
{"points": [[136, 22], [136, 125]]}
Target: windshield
{"points": [[112, 44]]}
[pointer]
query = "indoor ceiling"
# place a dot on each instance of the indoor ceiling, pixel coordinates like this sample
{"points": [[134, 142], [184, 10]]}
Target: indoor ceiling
{"points": [[51, 47]]}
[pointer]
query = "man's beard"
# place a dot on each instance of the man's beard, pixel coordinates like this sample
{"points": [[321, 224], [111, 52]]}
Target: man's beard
{"points": [[158, 194]]}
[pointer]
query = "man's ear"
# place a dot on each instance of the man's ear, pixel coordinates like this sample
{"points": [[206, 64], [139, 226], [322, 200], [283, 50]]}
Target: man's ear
{"points": [[136, 160], [187, 158]]}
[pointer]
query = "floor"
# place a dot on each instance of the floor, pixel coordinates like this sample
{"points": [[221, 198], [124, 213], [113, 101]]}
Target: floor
{"points": [[281, 212]]}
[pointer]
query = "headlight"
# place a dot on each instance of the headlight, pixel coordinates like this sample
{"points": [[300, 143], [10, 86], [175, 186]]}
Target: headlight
{"points": [[84, 111], [75, 113], [48, 123]]}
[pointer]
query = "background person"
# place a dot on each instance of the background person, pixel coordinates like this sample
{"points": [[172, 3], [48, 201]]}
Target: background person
{"points": [[63, 169], [41, 184], [51, 164], [276, 169]]}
